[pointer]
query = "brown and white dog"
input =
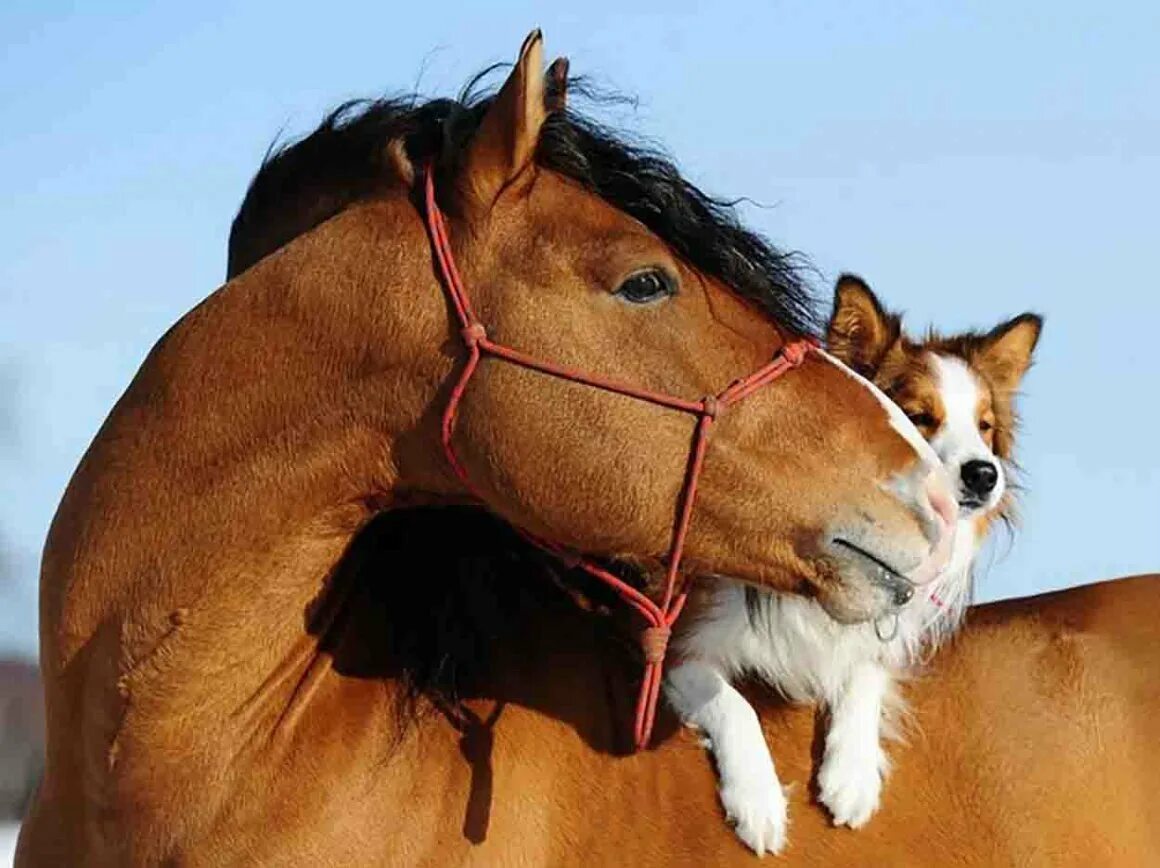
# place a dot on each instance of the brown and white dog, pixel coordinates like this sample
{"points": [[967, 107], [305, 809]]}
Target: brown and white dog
{"points": [[960, 393]]}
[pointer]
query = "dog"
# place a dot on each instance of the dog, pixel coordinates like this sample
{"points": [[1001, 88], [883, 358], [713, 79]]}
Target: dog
{"points": [[960, 393]]}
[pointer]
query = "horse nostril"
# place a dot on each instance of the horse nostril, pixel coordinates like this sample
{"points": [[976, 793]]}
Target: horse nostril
{"points": [[980, 477], [902, 594]]}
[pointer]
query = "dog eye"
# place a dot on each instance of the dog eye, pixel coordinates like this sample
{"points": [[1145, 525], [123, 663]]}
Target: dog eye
{"points": [[985, 426], [647, 286], [923, 420]]}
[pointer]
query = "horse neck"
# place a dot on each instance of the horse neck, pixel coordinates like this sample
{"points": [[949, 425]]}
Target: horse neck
{"points": [[259, 435]]}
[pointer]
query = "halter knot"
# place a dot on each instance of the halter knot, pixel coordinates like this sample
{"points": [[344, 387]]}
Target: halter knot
{"points": [[795, 352], [711, 406], [654, 642], [473, 334]]}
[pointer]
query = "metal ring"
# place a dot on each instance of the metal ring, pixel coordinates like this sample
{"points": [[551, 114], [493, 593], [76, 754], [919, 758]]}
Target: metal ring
{"points": [[893, 626]]}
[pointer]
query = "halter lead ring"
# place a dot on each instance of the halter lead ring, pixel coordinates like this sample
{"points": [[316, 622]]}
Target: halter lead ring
{"points": [[659, 618]]}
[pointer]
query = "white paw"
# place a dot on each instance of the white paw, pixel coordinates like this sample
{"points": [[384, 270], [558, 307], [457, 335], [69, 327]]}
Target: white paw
{"points": [[850, 784], [756, 807]]}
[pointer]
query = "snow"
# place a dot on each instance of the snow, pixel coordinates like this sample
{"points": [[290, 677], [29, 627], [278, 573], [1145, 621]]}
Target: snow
{"points": [[8, 832]]}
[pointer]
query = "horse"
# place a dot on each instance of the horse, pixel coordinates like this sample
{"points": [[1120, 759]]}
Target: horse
{"points": [[1015, 716], [193, 590]]}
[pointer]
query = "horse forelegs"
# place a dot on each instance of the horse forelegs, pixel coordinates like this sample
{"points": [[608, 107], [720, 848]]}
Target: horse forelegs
{"points": [[750, 791], [854, 764]]}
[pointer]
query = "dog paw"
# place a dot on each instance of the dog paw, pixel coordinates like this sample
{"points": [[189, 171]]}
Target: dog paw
{"points": [[850, 785], [756, 807]]}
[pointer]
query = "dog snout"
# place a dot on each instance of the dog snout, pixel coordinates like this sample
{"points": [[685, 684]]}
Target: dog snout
{"points": [[979, 477]]}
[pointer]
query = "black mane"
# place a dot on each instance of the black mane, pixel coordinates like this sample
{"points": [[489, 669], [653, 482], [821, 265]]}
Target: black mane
{"points": [[345, 160]]}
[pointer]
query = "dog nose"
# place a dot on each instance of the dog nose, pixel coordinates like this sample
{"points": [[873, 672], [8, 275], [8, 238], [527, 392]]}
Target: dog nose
{"points": [[980, 477]]}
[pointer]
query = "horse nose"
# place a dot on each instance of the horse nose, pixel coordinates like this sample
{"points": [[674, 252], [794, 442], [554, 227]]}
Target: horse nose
{"points": [[941, 499], [979, 477], [903, 593], [940, 528]]}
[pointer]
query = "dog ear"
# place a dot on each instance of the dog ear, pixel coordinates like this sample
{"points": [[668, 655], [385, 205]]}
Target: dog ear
{"points": [[861, 331], [1005, 352]]}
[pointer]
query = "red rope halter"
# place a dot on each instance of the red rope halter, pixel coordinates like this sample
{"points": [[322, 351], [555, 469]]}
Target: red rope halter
{"points": [[660, 619]]}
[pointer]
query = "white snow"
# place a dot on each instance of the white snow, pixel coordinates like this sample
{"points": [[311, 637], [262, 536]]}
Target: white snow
{"points": [[8, 832]]}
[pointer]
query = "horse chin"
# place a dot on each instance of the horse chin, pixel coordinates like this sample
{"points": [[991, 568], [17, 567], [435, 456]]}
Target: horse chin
{"points": [[854, 593]]}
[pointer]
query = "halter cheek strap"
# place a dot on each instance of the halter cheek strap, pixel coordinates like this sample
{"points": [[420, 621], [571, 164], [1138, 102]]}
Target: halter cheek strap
{"points": [[658, 618]]}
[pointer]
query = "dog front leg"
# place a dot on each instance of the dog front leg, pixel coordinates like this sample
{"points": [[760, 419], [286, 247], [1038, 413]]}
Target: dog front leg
{"points": [[750, 791]]}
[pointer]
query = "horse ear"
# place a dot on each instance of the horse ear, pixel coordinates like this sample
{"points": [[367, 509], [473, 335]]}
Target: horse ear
{"points": [[557, 95], [505, 143], [1006, 350], [860, 331]]}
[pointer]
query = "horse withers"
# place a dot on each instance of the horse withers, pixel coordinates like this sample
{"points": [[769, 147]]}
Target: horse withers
{"points": [[188, 608]]}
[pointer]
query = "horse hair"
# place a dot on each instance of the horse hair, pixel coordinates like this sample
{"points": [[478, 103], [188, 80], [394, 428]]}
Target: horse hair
{"points": [[425, 595]]}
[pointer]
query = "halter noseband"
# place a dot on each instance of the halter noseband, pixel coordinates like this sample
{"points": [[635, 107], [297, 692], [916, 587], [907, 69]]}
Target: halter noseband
{"points": [[660, 619]]}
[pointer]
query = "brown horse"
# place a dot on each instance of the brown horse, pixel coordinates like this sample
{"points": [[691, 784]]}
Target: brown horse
{"points": [[192, 594], [1045, 708]]}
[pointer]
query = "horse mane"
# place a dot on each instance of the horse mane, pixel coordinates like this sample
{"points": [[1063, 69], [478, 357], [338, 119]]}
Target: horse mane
{"points": [[347, 160], [430, 595]]}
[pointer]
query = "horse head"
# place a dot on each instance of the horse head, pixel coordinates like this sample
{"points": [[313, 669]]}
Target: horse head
{"points": [[586, 252]]}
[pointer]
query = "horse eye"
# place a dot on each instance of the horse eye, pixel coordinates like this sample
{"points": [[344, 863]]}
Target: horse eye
{"points": [[923, 420], [646, 286], [985, 426]]}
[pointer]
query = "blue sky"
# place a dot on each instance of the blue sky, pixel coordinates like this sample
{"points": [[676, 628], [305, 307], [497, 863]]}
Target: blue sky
{"points": [[970, 160]]}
